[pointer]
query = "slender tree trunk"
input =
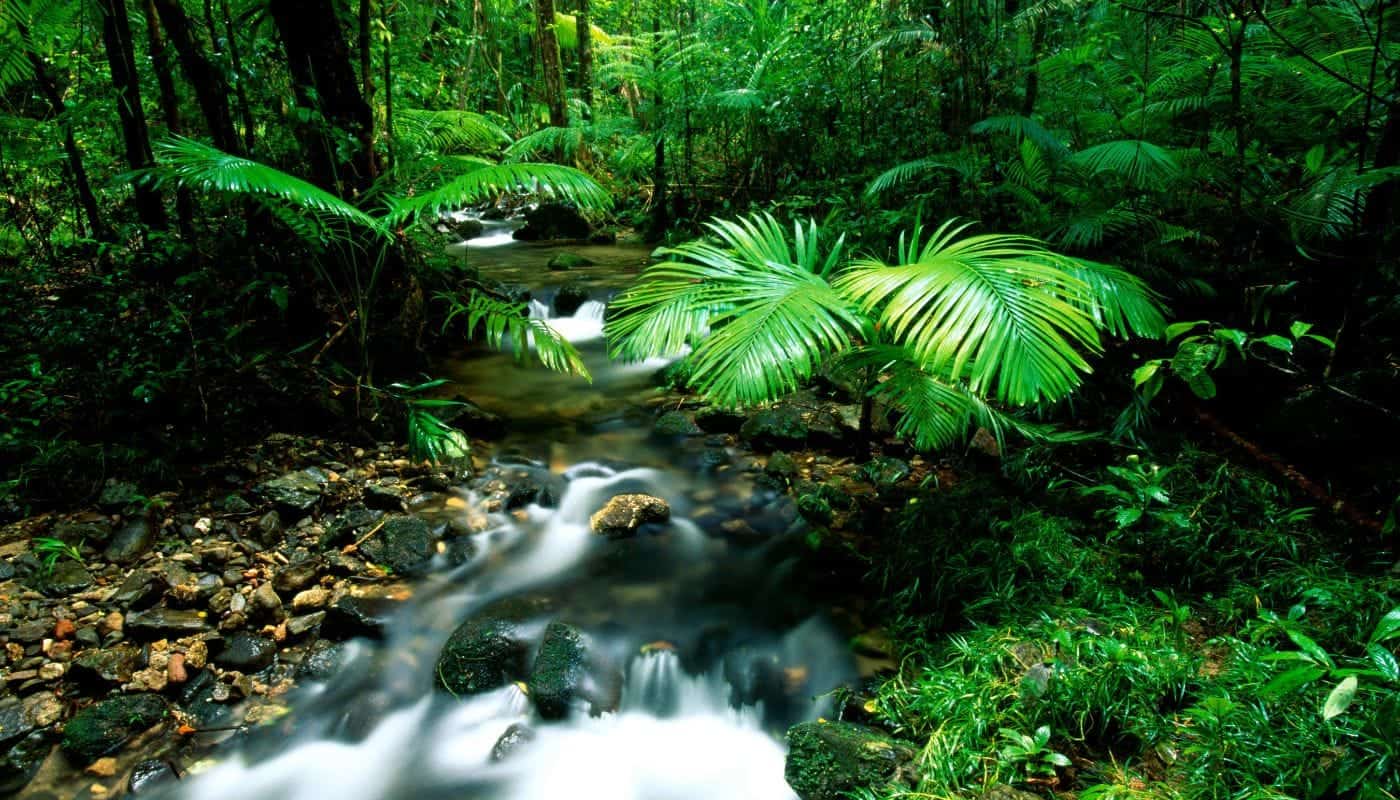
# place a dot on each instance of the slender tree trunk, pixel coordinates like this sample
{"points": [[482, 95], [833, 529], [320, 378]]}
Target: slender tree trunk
{"points": [[318, 58], [169, 104], [48, 86], [1033, 73], [121, 59], [211, 91], [367, 77], [548, 45], [660, 220], [245, 110], [388, 66], [1237, 119], [585, 57]]}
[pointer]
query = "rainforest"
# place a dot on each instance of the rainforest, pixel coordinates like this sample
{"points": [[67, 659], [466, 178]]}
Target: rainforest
{"points": [[700, 399]]}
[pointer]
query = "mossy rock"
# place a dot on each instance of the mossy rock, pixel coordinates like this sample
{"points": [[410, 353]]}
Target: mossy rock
{"points": [[483, 654], [774, 428], [405, 546], [103, 728], [560, 670], [827, 760], [676, 423], [567, 261]]}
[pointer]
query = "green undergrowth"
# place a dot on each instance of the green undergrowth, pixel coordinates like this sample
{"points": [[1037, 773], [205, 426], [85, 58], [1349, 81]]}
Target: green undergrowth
{"points": [[1218, 644]]}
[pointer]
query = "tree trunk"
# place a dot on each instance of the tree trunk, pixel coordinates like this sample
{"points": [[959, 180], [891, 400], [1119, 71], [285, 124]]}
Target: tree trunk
{"points": [[121, 59], [1033, 73], [660, 221], [367, 77], [585, 57], [48, 85], [323, 78], [245, 111], [211, 91], [548, 45], [169, 104]]}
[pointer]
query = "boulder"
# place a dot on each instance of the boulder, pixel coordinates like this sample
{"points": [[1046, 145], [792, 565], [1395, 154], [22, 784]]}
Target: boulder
{"points": [[514, 486], [117, 495], [65, 578], [110, 665], [351, 616], [828, 760], [569, 299], [676, 423], [21, 761], [780, 427], [483, 654], [131, 542], [295, 492], [246, 652], [626, 513], [564, 670], [513, 739], [148, 776], [103, 728], [553, 221], [468, 229], [404, 545], [563, 262]]}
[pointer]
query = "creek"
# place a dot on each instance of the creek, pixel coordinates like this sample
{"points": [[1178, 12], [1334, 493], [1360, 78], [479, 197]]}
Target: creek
{"points": [[719, 643]]}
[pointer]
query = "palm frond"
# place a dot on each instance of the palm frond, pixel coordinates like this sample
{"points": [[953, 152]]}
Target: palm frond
{"points": [[503, 323], [489, 182], [772, 316], [207, 168], [1023, 129], [1138, 163], [965, 165], [1120, 303], [1001, 312], [447, 131], [546, 142]]}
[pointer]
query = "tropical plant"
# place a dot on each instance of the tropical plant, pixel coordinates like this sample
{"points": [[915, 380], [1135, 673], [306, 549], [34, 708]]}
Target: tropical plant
{"points": [[50, 550], [429, 438], [1030, 757], [954, 326]]}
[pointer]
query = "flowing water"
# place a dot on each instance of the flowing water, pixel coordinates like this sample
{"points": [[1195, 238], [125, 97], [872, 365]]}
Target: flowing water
{"points": [[720, 647]]}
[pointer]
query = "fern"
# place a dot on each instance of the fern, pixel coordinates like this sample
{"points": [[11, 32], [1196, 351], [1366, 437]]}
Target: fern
{"points": [[489, 182], [503, 323], [1138, 163], [447, 131]]}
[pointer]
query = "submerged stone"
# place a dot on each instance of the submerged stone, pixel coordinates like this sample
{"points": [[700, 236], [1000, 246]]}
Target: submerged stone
{"points": [[404, 545], [560, 670], [828, 760], [103, 728], [482, 654]]}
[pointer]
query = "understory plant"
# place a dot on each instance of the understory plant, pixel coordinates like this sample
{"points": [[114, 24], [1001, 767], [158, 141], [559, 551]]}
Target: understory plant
{"points": [[957, 327]]}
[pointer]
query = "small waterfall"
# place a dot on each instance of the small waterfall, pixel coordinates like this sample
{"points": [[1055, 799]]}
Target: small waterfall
{"points": [[584, 325]]}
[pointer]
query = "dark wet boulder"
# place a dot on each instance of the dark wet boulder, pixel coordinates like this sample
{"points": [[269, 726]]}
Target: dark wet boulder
{"points": [[297, 576], [384, 497], [827, 760], [512, 486], [719, 420], [484, 653], [148, 776], [603, 237], [103, 728], [563, 262], [515, 737], [80, 532], [109, 665], [322, 661], [246, 652], [352, 616], [405, 545], [553, 221], [131, 542], [559, 672], [781, 464], [468, 229], [626, 513], [64, 578], [21, 760], [295, 492], [141, 589], [117, 495], [158, 622], [570, 298], [676, 423], [780, 427]]}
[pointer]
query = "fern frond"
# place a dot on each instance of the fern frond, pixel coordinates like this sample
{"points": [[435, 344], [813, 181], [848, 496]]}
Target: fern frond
{"points": [[487, 183], [502, 323], [1137, 162], [966, 165], [447, 131], [1023, 129]]}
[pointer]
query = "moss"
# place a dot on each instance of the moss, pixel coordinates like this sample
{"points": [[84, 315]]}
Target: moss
{"points": [[828, 759], [481, 655], [103, 728], [559, 671]]}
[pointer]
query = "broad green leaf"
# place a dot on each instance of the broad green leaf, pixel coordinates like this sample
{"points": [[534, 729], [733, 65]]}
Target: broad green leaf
{"points": [[1279, 343], [1310, 647], [1388, 628], [1340, 698], [1385, 662], [1291, 680]]}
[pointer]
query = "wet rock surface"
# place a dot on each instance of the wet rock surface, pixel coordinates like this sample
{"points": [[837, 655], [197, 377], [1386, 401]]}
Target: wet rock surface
{"points": [[104, 728], [625, 514], [828, 760]]}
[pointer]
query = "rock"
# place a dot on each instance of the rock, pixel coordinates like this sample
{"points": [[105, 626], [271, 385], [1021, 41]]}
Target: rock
{"points": [[235, 504], [884, 471], [111, 665], [297, 576], [149, 775], [514, 737], [404, 545], [269, 527], [15, 722], [468, 229], [553, 221], [67, 577], [117, 495], [246, 652], [484, 653], [21, 761], [781, 427], [382, 497], [304, 624], [718, 420], [350, 617], [512, 486], [781, 464], [295, 492], [564, 671], [103, 728], [104, 767], [826, 760], [563, 262], [266, 603], [78, 533], [603, 237], [141, 589], [323, 659], [569, 299], [130, 543], [625, 513], [310, 600], [676, 423], [158, 622]]}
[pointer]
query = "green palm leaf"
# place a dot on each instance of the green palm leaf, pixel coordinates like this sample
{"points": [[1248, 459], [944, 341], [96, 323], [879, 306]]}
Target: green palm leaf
{"points": [[488, 182], [1120, 302], [999, 311], [966, 166], [207, 168], [502, 322], [447, 131], [1139, 163], [772, 316]]}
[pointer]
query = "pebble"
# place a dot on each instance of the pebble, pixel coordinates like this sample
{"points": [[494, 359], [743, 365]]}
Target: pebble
{"points": [[102, 767], [310, 599]]}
